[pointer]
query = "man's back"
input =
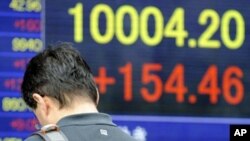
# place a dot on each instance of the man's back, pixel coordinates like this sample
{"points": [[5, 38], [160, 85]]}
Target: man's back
{"points": [[89, 127]]}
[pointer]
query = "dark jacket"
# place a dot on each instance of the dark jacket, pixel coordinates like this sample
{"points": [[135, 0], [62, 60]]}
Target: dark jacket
{"points": [[89, 127]]}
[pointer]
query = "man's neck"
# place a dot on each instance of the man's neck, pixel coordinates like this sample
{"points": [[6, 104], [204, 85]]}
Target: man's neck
{"points": [[77, 108]]}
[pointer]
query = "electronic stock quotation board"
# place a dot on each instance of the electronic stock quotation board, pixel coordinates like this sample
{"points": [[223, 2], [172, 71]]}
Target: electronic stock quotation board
{"points": [[166, 70]]}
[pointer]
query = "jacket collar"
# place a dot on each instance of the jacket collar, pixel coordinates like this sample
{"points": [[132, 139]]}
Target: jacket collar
{"points": [[86, 119]]}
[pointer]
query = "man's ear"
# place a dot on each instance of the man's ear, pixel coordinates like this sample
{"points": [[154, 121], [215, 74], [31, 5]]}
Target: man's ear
{"points": [[38, 98], [98, 97], [41, 103], [41, 110]]}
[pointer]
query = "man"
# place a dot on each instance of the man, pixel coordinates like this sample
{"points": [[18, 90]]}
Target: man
{"points": [[58, 85]]}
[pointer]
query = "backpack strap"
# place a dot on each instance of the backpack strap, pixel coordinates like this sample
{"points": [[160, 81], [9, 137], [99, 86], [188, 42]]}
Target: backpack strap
{"points": [[51, 132]]}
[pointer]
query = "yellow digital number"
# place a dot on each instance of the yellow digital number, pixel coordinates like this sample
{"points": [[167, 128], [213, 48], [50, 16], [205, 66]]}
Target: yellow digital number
{"points": [[23, 44], [11, 139], [13, 105], [175, 27], [158, 17], [240, 29], [77, 12], [17, 5], [33, 5], [26, 5], [94, 23], [134, 31], [205, 40]]}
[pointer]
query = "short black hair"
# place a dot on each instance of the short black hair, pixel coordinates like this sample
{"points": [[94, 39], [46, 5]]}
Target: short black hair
{"points": [[58, 72]]}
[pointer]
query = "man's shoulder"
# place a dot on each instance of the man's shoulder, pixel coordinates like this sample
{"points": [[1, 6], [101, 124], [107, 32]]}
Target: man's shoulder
{"points": [[116, 134], [34, 138]]}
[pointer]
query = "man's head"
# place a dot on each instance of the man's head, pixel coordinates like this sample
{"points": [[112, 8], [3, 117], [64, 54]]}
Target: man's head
{"points": [[58, 76]]}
